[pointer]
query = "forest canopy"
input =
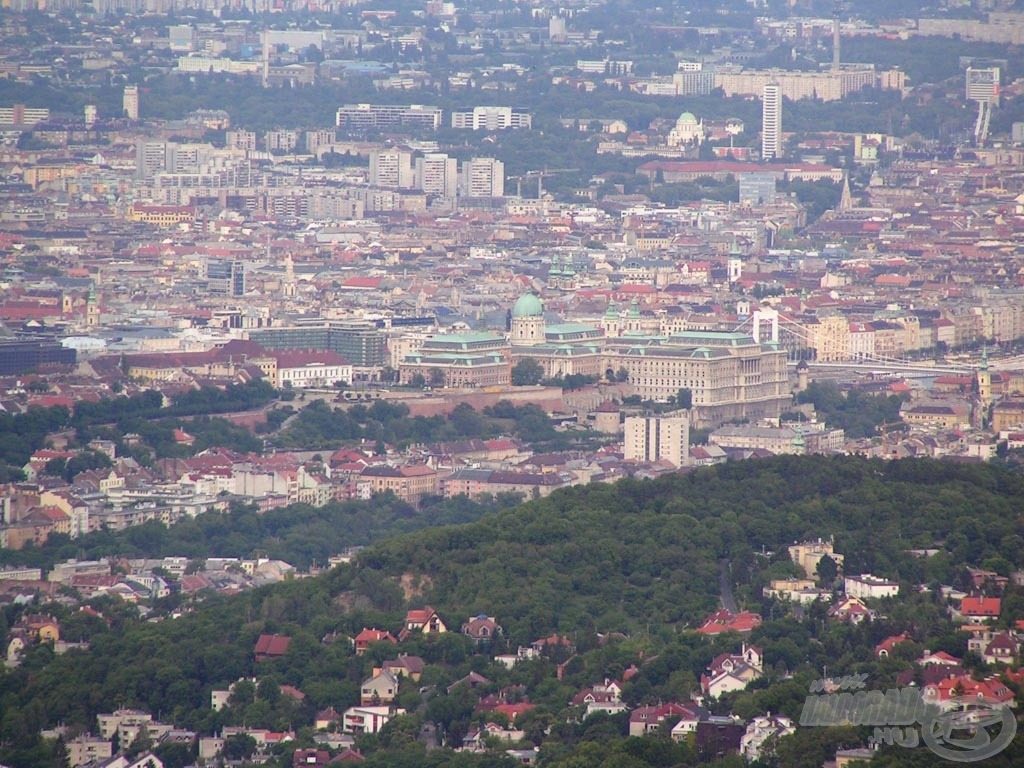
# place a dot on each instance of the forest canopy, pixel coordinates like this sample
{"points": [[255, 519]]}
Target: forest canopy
{"points": [[638, 561]]}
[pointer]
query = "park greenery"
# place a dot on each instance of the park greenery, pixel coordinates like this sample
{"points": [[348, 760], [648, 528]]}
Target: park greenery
{"points": [[143, 416], [625, 571], [858, 414], [321, 426]]}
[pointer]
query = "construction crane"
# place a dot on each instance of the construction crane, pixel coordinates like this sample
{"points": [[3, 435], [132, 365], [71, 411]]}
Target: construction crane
{"points": [[539, 175]]}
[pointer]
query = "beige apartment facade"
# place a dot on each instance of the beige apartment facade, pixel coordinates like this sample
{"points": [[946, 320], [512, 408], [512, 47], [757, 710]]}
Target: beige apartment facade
{"points": [[658, 438]]}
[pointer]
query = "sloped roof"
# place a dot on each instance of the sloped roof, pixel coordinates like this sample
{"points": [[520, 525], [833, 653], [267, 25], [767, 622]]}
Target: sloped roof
{"points": [[272, 645]]}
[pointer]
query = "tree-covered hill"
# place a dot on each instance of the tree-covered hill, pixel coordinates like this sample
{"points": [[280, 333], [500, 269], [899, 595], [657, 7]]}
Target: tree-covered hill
{"points": [[637, 560], [624, 556]]}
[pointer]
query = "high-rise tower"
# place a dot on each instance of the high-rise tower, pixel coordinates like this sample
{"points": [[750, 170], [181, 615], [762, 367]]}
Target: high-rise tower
{"points": [[131, 102], [835, 36], [771, 122]]}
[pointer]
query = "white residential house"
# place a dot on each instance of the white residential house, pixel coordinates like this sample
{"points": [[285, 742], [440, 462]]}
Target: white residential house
{"points": [[368, 719], [867, 586], [760, 730], [382, 688], [732, 672]]}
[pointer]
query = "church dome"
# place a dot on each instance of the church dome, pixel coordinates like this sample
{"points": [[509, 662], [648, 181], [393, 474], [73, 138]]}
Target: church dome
{"points": [[687, 118], [527, 305]]}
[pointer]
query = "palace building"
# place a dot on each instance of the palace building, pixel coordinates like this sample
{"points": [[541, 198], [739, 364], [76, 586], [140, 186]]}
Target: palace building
{"points": [[460, 360], [562, 349], [730, 375]]}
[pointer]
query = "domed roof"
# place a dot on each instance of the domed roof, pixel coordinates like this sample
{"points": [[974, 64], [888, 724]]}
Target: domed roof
{"points": [[527, 305], [687, 118]]}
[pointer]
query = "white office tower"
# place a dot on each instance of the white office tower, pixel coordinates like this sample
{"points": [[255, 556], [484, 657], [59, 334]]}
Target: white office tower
{"points": [[491, 119], [482, 177], [657, 438], [90, 115], [131, 102], [437, 174], [771, 122], [391, 169]]}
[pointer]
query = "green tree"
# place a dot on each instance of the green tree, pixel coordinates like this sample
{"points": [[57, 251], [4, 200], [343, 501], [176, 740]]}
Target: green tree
{"points": [[238, 746], [684, 398], [143, 742], [243, 693], [827, 570], [527, 371]]}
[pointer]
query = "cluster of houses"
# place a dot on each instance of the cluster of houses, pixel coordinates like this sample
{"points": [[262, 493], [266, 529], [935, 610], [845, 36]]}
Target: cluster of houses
{"points": [[941, 676], [139, 582], [711, 735], [127, 494]]}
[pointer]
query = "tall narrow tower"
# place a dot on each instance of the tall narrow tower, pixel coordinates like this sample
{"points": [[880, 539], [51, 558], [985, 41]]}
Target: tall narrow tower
{"points": [[771, 122], [835, 36], [92, 308], [130, 103], [289, 286], [266, 59], [984, 378]]}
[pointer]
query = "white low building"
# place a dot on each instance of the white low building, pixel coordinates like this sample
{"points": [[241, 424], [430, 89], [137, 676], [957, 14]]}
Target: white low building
{"points": [[865, 585], [368, 719], [312, 368]]}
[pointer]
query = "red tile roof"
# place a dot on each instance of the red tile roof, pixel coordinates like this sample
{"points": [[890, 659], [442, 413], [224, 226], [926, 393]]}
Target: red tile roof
{"points": [[988, 607], [368, 636], [269, 646], [724, 621]]}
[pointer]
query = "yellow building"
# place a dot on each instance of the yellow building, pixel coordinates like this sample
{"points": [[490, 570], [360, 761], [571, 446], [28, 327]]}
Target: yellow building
{"points": [[831, 339], [808, 553], [161, 215], [410, 483]]}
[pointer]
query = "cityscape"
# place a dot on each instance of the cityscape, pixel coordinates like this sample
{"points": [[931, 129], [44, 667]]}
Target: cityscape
{"points": [[511, 383]]}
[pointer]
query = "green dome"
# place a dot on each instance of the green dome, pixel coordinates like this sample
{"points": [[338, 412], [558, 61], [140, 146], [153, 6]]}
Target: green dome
{"points": [[687, 118], [527, 305]]}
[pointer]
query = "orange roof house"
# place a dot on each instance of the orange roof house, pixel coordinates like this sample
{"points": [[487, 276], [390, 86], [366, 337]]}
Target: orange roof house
{"points": [[363, 639], [271, 647], [726, 621], [423, 620], [980, 608], [884, 648]]}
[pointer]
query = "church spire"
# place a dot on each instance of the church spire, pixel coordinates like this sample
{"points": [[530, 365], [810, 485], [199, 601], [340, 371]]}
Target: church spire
{"points": [[846, 199]]}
